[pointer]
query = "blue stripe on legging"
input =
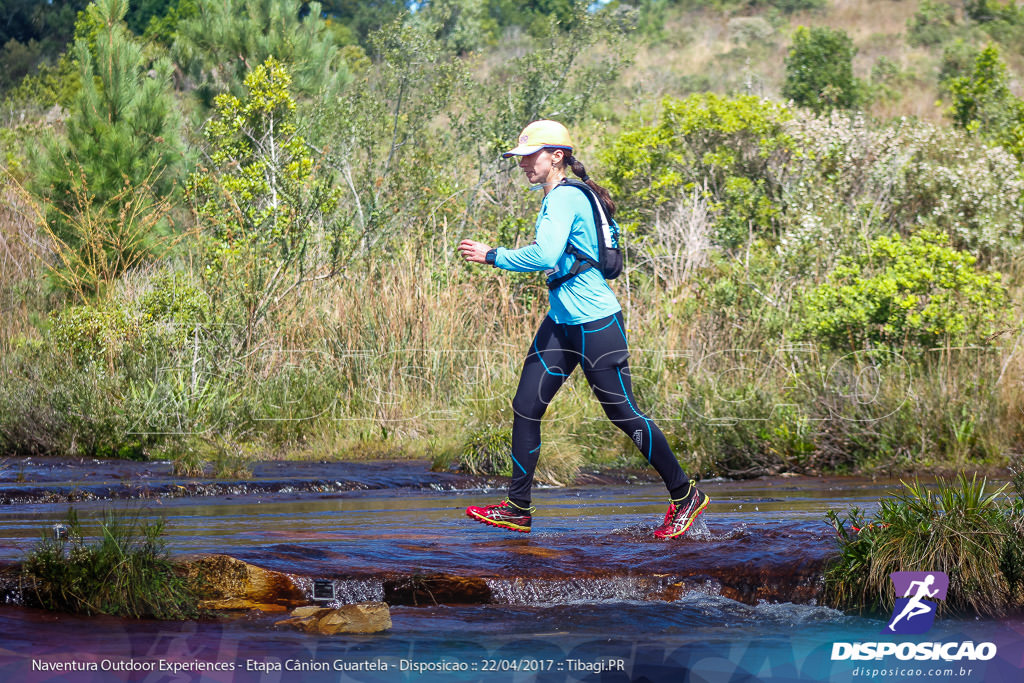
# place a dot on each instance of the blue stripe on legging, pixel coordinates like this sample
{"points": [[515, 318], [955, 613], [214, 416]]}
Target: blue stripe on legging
{"points": [[647, 422]]}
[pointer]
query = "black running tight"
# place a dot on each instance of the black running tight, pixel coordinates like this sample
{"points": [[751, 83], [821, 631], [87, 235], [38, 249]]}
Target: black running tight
{"points": [[600, 347]]}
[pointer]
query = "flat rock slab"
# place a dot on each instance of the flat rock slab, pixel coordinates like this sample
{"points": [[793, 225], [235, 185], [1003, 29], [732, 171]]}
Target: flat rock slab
{"points": [[364, 617], [231, 584], [752, 563]]}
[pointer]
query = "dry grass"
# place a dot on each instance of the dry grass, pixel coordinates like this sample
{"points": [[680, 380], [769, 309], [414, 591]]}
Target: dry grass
{"points": [[701, 51], [19, 268]]}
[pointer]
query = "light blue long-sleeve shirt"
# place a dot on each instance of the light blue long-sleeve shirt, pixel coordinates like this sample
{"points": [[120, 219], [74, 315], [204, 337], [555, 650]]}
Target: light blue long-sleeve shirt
{"points": [[565, 216]]}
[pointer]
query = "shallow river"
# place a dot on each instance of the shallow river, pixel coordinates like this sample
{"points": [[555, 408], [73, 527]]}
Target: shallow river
{"points": [[589, 595]]}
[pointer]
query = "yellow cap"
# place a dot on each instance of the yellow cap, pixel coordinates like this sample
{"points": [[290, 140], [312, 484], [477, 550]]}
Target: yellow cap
{"points": [[541, 134]]}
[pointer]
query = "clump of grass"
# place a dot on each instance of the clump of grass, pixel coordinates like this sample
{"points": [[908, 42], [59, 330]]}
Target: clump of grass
{"points": [[487, 451], [961, 527], [125, 572], [1012, 560]]}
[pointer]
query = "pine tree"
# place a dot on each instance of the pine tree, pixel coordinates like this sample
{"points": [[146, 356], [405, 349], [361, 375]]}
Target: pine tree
{"points": [[120, 156], [225, 39]]}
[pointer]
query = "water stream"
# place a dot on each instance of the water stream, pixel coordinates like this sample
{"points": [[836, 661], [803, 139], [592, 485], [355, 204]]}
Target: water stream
{"points": [[589, 595]]}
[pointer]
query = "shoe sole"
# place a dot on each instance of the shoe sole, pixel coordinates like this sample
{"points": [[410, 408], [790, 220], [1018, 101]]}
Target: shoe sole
{"points": [[501, 525], [686, 528]]}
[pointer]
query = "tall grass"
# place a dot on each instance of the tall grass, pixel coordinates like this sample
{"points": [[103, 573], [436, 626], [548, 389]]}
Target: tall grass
{"points": [[407, 358], [961, 527], [125, 571], [19, 267]]}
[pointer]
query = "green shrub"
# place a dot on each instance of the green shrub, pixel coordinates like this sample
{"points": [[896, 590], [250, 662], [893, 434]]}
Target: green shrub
{"points": [[960, 528], [908, 295], [932, 24], [983, 102], [50, 85], [850, 175], [125, 572], [164, 317], [173, 308], [746, 427], [984, 11], [218, 43], [735, 147], [819, 70], [92, 333], [266, 206]]}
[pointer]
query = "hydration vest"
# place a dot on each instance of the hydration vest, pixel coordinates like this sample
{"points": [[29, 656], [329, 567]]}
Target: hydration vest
{"points": [[609, 254]]}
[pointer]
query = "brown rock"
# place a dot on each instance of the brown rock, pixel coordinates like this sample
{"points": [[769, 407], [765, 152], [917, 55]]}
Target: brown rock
{"points": [[307, 624], [227, 583], [363, 617], [238, 603], [437, 589]]}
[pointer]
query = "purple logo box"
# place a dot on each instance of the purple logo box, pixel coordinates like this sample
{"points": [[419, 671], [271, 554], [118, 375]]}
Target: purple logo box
{"points": [[914, 611], [901, 582]]}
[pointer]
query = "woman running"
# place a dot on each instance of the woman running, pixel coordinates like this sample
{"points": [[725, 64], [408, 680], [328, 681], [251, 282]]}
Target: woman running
{"points": [[584, 327]]}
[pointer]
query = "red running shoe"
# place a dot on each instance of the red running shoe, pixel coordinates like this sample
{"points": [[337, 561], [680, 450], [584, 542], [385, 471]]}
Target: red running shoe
{"points": [[505, 514], [679, 517]]}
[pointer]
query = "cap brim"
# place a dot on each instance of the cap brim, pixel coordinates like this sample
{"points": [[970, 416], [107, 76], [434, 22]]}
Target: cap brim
{"points": [[526, 150], [522, 151]]}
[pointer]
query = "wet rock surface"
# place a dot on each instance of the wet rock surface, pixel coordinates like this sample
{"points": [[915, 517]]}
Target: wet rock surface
{"points": [[396, 532], [436, 589], [230, 584], [364, 617], [57, 480]]}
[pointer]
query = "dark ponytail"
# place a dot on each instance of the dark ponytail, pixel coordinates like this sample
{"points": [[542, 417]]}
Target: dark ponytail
{"points": [[581, 172]]}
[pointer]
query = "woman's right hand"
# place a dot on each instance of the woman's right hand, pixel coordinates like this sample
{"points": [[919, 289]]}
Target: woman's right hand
{"points": [[474, 252]]}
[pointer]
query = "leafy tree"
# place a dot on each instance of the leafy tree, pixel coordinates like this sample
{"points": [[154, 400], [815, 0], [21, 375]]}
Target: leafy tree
{"points": [[49, 85], [554, 79], [932, 24], [121, 152], [364, 17], [819, 70], [983, 102], [163, 28], [33, 35], [902, 294], [219, 44], [265, 206], [141, 12], [736, 148], [958, 59], [536, 15], [462, 25], [379, 135], [984, 11]]}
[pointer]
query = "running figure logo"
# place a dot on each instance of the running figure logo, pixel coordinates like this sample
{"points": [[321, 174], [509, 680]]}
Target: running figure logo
{"points": [[914, 613]]}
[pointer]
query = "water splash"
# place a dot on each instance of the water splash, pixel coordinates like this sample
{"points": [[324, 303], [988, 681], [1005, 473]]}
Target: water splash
{"points": [[524, 591], [346, 591], [724, 611]]}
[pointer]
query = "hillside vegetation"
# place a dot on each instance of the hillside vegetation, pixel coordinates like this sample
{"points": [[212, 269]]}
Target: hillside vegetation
{"points": [[229, 227]]}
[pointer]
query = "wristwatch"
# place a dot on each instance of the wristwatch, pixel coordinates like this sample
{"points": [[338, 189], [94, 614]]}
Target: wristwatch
{"points": [[491, 256]]}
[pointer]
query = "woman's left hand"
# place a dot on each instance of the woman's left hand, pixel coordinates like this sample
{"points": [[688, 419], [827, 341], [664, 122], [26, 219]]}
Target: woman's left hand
{"points": [[474, 252]]}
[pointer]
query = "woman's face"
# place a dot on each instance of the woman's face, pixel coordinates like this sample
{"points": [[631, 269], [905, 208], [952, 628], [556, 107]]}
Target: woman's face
{"points": [[541, 166]]}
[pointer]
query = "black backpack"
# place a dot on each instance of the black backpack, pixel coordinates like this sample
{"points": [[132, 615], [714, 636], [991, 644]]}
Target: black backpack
{"points": [[609, 253]]}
